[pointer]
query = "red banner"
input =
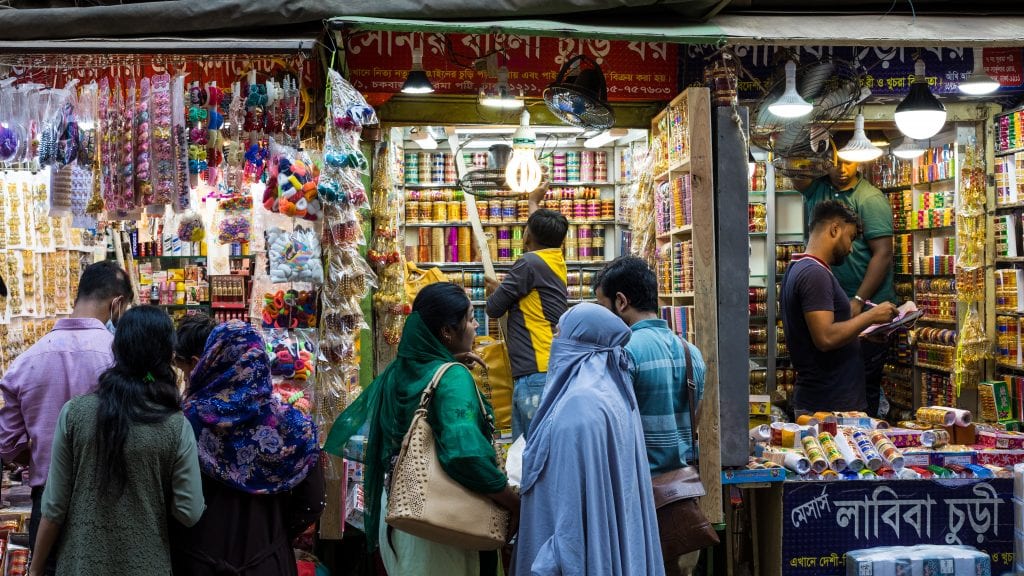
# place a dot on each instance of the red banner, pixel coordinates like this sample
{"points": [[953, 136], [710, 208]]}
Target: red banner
{"points": [[379, 61], [1004, 64], [57, 70]]}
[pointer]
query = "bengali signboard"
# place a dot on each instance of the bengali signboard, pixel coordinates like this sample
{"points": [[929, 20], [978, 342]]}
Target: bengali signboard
{"points": [[887, 71], [378, 62], [822, 521]]}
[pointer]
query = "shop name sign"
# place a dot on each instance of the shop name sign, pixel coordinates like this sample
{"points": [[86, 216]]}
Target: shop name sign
{"points": [[378, 62], [887, 71], [822, 521]]}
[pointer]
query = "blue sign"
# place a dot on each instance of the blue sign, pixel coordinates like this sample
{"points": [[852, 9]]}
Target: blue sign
{"points": [[822, 521]]}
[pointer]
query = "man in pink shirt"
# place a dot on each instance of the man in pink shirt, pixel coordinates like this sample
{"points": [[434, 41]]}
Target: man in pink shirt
{"points": [[65, 363]]}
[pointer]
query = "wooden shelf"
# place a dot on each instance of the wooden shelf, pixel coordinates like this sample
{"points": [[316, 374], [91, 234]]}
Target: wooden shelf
{"points": [[936, 320], [1010, 206], [667, 295], [1009, 259], [686, 229], [1006, 366], [1008, 152], [900, 188], [935, 367], [939, 181]]}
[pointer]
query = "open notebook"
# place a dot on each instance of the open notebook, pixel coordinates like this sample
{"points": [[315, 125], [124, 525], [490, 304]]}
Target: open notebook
{"points": [[908, 314]]}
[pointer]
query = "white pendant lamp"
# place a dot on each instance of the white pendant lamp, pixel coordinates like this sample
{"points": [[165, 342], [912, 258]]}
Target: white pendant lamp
{"points": [[920, 115], [523, 173], [859, 148], [790, 104], [501, 96], [909, 149], [979, 83]]}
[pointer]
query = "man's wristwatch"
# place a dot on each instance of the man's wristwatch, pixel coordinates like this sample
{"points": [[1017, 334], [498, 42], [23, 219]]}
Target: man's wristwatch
{"points": [[858, 298]]}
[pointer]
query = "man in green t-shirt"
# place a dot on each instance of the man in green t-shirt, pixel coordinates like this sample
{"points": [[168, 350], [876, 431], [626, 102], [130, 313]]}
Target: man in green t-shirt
{"points": [[867, 274]]}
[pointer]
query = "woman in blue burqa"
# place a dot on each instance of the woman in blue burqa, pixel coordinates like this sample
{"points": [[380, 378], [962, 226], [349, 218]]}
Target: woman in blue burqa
{"points": [[587, 503]]}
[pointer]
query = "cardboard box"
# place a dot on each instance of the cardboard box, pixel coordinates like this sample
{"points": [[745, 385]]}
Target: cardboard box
{"points": [[997, 457], [991, 438], [924, 457]]}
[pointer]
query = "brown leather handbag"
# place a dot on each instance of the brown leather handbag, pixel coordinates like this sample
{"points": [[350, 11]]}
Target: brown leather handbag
{"points": [[681, 524], [424, 501]]}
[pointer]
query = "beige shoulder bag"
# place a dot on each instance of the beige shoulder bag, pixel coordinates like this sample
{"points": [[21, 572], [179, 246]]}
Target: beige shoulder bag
{"points": [[424, 501]]}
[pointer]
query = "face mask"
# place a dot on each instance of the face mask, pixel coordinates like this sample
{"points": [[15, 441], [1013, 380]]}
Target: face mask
{"points": [[111, 325]]}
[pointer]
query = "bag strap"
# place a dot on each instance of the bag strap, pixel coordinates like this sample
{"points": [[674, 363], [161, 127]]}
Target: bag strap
{"points": [[428, 394], [691, 391]]}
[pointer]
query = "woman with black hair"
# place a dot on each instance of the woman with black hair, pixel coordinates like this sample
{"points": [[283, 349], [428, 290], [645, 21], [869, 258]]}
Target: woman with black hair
{"points": [[259, 457], [123, 458], [440, 330]]}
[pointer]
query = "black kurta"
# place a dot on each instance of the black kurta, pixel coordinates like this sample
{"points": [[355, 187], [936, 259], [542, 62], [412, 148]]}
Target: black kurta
{"points": [[246, 534]]}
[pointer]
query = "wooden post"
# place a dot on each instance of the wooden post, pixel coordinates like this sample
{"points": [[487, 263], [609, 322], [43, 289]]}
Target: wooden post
{"points": [[705, 297]]}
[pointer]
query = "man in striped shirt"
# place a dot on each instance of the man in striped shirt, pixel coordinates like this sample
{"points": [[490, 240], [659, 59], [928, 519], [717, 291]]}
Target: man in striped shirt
{"points": [[627, 286], [534, 295]]}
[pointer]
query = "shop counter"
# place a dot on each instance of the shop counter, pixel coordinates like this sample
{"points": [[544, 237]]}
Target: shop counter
{"points": [[806, 528]]}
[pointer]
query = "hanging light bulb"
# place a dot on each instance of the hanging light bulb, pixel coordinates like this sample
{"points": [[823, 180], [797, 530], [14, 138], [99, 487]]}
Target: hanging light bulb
{"points": [[790, 104], [417, 82], [501, 96], [859, 148], [909, 149], [979, 82], [522, 174], [920, 115]]}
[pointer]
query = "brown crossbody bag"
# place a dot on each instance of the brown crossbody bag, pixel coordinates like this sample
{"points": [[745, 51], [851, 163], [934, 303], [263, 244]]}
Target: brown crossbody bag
{"points": [[682, 525]]}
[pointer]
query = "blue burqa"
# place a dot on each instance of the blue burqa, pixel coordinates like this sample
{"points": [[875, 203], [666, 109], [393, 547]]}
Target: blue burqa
{"points": [[587, 503]]}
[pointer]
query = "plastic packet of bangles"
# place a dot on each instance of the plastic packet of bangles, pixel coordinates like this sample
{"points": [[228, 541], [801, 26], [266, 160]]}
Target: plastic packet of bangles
{"points": [[343, 317], [343, 226], [348, 274]]}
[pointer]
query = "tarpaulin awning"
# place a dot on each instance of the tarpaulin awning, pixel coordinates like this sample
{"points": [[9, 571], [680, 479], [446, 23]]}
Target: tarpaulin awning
{"points": [[872, 29]]}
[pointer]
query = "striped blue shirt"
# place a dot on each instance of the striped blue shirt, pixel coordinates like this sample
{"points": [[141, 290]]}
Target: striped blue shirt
{"points": [[659, 372]]}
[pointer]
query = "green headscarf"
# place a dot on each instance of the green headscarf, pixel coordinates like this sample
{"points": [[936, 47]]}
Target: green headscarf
{"points": [[393, 394]]}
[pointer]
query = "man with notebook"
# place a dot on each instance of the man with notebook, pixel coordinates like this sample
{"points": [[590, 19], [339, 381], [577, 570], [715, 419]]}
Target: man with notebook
{"points": [[821, 333]]}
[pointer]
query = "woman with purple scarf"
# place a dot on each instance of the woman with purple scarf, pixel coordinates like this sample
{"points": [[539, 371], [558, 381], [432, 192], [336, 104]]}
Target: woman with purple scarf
{"points": [[259, 459]]}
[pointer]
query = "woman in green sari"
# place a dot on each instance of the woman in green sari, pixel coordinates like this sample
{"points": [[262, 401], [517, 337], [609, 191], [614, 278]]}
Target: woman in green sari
{"points": [[439, 330]]}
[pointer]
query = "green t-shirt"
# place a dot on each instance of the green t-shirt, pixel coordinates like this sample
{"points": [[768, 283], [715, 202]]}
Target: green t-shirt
{"points": [[876, 214]]}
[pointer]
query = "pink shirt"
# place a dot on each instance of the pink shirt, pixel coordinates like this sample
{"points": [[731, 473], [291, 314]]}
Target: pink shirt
{"points": [[65, 363]]}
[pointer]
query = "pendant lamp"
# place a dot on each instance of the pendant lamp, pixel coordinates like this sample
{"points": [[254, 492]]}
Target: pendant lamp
{"points": [[859, 148], [501, 96], [417, 82], [909, 149], [790, 104], [979, 83], [920, 116], [523, 174]]}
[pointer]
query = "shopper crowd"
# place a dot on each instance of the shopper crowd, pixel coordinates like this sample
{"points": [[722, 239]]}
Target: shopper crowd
{"points": [[132, 475]]}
